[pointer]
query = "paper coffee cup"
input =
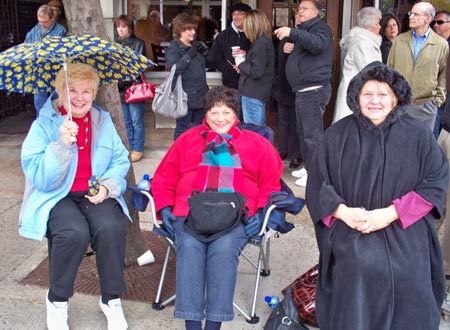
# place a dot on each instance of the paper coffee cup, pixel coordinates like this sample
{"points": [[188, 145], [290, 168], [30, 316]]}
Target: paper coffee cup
{"points": [[240, 57], [235, 48], [146, 258]]}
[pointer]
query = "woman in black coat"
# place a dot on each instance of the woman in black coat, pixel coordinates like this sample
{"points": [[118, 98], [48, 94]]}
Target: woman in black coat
{"points": [[257, 68], [376, 185], [189, 57]]}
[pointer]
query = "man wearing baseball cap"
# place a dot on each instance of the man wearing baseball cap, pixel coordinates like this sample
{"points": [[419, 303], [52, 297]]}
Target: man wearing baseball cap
{"points": [[221, 55]]}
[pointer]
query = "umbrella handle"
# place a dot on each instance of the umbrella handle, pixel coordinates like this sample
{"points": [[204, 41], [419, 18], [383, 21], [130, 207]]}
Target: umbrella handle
{"points": [[73, 138]]}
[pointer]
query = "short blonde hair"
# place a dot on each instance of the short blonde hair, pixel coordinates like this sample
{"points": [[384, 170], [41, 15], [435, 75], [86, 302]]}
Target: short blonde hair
{"points": [[257, 24], [77, 73]]}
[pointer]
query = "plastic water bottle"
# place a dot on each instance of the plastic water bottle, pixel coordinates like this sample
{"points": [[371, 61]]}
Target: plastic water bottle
{"points": [[144, 183], [272, 301]]}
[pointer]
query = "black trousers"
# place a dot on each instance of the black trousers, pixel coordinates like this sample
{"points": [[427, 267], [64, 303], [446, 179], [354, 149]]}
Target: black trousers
{"points": [[287, 134], [73, 223], [309, 109]]}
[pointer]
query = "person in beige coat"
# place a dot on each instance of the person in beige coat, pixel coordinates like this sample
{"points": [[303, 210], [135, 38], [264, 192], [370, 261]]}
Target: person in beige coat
{"points": [[361, 46], [420, 55]]}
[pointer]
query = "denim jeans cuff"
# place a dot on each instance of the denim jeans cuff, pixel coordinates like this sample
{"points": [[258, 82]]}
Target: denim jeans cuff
{"points": [[219, 317], [189, 316]]}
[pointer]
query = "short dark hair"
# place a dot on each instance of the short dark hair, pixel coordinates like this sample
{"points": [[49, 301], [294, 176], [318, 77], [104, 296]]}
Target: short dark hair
{"points": [[222, 95], [182, 22], [443, 12], [124, 19], [385, 20]]}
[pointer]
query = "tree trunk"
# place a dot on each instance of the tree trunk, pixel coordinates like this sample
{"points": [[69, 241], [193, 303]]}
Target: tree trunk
{"points": [[87, 17]]}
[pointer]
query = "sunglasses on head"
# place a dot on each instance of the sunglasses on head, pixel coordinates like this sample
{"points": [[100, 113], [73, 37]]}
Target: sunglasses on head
{"points": [[440, 22]]}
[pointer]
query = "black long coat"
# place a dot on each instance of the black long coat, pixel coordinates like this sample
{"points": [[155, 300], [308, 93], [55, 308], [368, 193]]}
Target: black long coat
{"points": [[391, 279]]}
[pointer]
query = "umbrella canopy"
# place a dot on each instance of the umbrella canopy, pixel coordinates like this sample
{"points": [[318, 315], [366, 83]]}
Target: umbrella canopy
{"points": [[32, 67]]}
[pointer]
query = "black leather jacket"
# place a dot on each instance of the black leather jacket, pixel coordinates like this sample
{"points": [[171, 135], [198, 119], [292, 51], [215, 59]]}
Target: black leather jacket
{"points": [[138, 46]]}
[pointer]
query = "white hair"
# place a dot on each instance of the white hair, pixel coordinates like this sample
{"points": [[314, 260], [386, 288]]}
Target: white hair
{"points": [[367, 16]]}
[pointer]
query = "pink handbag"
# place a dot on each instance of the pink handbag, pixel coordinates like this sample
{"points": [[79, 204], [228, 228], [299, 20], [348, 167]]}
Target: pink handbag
{"points": [[140, 92]]}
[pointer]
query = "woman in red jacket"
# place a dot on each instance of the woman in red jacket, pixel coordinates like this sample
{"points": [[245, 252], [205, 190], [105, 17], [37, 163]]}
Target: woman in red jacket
{"points": [[221, 156]]}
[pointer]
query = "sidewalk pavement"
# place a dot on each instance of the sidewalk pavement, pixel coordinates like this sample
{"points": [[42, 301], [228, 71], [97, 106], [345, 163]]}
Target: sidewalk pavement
{"points": [[23, 307]]}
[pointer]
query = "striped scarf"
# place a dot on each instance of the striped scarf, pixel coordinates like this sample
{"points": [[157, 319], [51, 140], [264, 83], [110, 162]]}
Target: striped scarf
{"points": [[220, 169]]}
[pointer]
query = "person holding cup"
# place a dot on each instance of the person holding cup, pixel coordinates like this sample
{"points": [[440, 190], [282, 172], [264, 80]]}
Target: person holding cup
{"points": [[256, 68], [228, 44]]}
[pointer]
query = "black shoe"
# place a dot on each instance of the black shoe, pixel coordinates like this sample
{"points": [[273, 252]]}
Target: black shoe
{"points": [[283, 155], [294, 163]]}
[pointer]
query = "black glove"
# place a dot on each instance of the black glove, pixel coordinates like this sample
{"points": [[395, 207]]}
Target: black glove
{"points": [[201, 47]]}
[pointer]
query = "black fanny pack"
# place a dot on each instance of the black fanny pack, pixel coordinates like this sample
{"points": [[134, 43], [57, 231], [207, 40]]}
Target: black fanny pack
{"points": [[213, 214]]}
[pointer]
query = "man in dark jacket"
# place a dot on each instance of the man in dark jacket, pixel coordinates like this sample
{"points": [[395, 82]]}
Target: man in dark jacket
{"points": [[308, 70], [220, 55]]}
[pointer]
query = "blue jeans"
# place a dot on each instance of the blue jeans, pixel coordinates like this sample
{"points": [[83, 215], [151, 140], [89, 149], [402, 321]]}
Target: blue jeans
{"points": [[184, 123], [206, 266], [133, 116], [253, 111], [39, 101]]}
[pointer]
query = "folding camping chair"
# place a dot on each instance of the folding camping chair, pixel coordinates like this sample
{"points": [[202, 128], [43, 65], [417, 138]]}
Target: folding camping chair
{"points": [[261, 241]]}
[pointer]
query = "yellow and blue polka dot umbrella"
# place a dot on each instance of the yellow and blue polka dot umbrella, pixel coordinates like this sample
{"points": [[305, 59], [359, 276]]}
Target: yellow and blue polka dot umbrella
{"points": [[32, 67]]}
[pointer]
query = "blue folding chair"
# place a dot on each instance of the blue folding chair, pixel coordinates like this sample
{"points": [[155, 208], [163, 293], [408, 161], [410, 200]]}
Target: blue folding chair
{"points": [[274, 221]]}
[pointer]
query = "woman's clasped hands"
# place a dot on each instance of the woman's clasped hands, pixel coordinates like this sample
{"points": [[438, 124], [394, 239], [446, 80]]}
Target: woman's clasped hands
{"points": [[364, 220]]}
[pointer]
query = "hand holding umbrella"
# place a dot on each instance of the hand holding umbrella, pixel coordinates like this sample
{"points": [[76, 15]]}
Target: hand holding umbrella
{"points": [[68, 131]]}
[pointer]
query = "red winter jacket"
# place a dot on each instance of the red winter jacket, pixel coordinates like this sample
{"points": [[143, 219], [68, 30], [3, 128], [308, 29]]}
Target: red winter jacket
{"points": [[175, 176]]}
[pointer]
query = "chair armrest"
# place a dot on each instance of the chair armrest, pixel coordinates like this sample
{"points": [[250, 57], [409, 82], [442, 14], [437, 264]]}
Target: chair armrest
{"points": [[266, 219]]}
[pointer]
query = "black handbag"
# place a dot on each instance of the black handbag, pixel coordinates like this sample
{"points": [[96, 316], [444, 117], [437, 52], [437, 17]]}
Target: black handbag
{"points": [[213, 214], [284, 316]]}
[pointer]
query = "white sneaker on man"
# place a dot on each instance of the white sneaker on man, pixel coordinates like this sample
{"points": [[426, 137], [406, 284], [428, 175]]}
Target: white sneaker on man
{"points": [[302, 181], [56, 314], [299, 173], [114, 314]]}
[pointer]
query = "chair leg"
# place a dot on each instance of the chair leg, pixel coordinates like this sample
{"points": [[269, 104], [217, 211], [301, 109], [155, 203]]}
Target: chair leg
{"points": [[157, 304], [265, 258]]}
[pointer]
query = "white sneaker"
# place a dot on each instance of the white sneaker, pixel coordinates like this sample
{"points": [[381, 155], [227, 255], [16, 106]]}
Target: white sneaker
{"points": [[56, 314], [114, 314], [302, 181], [299, 173], [446, 303]]}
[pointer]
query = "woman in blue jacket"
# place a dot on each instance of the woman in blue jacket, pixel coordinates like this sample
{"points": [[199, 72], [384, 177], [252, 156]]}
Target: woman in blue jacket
{"points": [[257, 68], [190, 59], [58, 203]]}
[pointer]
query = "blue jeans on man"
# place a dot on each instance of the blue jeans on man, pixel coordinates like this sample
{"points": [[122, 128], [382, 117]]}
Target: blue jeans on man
{"points": [[253, 111], [208, 266], [133, 117]]}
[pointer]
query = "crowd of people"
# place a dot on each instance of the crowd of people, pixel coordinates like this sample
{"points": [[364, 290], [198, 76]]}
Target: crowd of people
{"points": [[376, 180]]}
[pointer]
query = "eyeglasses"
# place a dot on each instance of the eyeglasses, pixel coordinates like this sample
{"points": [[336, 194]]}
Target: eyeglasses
{"points": [[412, 13], [440, 22], [304, 8]]}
